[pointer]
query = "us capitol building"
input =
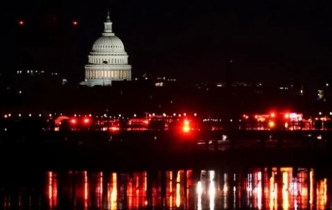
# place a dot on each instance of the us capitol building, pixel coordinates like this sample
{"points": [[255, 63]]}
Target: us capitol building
{"points": [[108, 60]]}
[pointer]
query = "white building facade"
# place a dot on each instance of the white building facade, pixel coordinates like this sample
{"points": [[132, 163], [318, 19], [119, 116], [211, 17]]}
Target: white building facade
{"points": [[108, 60]]}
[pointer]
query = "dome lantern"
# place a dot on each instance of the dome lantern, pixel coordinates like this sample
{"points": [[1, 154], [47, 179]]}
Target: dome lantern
{"points": [[108, 25]]}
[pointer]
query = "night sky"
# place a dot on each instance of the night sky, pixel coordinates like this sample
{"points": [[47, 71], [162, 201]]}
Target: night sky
{"points": [[267, 40]]}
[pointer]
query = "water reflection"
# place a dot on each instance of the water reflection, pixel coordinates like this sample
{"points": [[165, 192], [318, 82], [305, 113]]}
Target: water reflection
{"points": [[262, 188]]}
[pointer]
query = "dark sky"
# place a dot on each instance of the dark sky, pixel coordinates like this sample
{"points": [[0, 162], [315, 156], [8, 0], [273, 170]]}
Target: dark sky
{"points": [[267, 40]]}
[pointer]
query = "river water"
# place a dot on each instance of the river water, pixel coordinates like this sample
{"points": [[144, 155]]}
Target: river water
{"points": [[255, 188]]}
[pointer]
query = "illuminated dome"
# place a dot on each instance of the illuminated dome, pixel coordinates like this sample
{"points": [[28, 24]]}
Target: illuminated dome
{"points": [[108, 60], [108, 44]]}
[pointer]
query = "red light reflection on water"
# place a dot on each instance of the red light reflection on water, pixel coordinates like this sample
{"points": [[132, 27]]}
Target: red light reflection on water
{"points": [[112, 194], [52, 189], [257, 189], [99, 190]]}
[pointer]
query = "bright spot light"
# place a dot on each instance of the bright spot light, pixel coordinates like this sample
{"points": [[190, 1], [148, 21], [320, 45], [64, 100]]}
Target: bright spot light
{"points": [[186, 122], [86, 120], [271, 124], [19, 115], [114, 128], [199, 188], [75, 23], [186, 128], [272, 114], [21, 22], [5, 116], [73, 121], [286, 116]]}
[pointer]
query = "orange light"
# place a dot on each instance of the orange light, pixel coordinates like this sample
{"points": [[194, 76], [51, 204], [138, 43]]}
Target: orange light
{"points": [[114, 128], [186, 122], [271, 124], [286, 116], [272, 114], [146, 121], [186, 128]]}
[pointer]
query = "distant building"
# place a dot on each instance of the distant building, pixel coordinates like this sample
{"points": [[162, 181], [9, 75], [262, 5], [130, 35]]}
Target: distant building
{"points": [[108, 60]]}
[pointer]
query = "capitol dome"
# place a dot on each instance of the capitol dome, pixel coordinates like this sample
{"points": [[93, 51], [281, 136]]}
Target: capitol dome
{"points": [[108, 44], [108, 60]]}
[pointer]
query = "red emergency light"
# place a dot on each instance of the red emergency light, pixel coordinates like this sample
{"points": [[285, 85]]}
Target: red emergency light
{"points": [[86, 120], [73, 121], [186, 126]]}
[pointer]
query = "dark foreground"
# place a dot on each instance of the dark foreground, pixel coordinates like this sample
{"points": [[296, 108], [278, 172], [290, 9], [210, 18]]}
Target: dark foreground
{"points": [[164, 151]]}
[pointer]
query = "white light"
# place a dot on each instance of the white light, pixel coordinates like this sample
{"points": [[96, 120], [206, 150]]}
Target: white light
{"points": [[50, 115], [174, 114], [184, 114], [9, 115], [29, 115], [134, 115], [199, 188], [74, 115], [89, 115], [231, 120], [320, 113], [119, 115], [5, 129], [19, 115], [39, 115], [195, 114]]}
